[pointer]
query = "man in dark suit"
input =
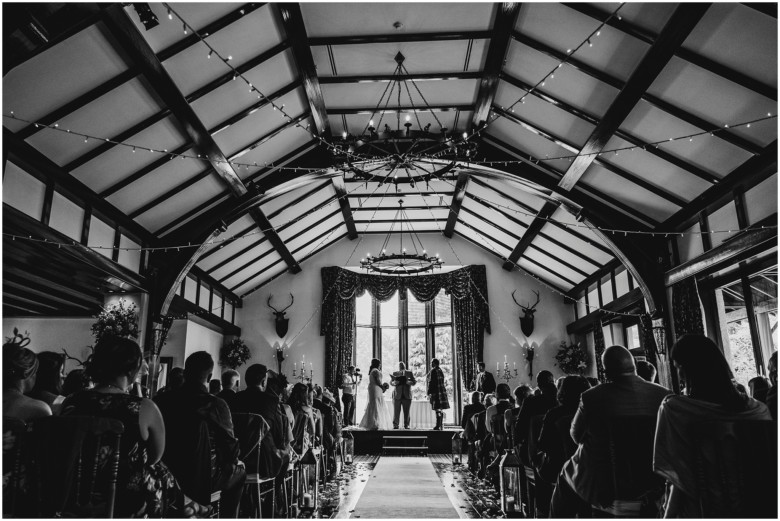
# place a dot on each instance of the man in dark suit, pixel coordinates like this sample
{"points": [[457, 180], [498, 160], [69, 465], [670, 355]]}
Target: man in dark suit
{"points": [[403, 381], [184, 411], [484, 381], [586, 477], [230, 385], [257, 400], [473, 407]]}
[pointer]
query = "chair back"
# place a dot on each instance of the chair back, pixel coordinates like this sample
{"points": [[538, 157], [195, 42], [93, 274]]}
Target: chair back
{"points": [[532, 440], [71, 455], [14, 431], [189, 455], [250, 429], [563, 428], [631, 443], [736, 468]]}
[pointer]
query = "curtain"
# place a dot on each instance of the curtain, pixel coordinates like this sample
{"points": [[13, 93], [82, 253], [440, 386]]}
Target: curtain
{"points": [[651, 349], [598, 347], [686, 309], [471, 314]]}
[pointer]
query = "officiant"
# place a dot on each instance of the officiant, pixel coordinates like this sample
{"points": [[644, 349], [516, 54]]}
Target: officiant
{"points": [[402, 381]]}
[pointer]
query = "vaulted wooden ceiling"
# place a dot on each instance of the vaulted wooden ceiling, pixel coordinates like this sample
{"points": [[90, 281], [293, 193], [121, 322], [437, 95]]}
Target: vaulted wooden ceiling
{"points": [[655, 71]]}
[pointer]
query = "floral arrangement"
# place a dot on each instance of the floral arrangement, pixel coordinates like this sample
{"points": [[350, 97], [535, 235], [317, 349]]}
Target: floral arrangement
{"points": [[120, 319], [234, 354], [571, 358]]}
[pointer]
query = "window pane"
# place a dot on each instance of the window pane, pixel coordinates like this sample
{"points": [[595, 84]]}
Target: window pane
{"points": [[763, 287], [632, 334], [390, 355], [364, 352], [363, 307], [443, 351], [388, 311], [443, 308], [732, 311], [417, 362], [416, 311]]}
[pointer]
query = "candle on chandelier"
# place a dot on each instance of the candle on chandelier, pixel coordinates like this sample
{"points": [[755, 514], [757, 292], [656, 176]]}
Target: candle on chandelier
{"points": [[497, 366]]}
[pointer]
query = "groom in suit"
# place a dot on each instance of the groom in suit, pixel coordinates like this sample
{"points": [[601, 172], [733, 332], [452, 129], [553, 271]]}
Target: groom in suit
{"points": [[403, 381]]}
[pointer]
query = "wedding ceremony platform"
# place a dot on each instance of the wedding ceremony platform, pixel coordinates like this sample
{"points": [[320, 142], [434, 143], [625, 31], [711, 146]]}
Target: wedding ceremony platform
{"points": [[404, 441]]}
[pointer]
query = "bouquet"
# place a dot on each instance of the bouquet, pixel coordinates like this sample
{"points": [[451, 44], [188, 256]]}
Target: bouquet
{"points": [[120, 320], [571, 358], [385, 387], [234, 354]]}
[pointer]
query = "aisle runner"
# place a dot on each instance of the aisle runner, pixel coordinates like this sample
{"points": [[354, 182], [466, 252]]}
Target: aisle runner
{"points": [[404, 487]]}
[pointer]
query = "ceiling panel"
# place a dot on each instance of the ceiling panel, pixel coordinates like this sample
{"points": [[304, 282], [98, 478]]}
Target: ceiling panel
{"points": [[495, 196], [310, 222], [621, 189], [181, 203], [544, 115], [716, 99], [454, 121], [649, 16], [530, 143], [368, 95], [475, 214], [331, 237], [574, 87], [60, 74], [721, 36], [379, 58], [284, 200], [198, 15], [546, 276], [119, 162], [276, 269], [327, 19], [234, 96], [312, 234], [589, 265], [562, 28], [651, 125], [552, 265], [476, 224], [275, 148], [245, 39], [500, 250], [257, 260], [236, 227], [325, 196], [421, 227], [251, 128], [585, 246]]}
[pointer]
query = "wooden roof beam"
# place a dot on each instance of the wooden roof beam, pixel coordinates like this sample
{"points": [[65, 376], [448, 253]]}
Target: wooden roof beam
{"points": [[346, 211], [674, 33], [504, 23], [400, 37], [457, 201]]}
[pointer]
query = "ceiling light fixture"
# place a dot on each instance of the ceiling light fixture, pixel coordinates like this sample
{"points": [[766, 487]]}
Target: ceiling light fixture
{"points": [[404, 262]]}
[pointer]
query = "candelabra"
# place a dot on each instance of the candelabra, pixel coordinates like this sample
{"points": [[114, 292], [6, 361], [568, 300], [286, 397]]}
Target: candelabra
{"points": [[507, 375], [301, 375]]}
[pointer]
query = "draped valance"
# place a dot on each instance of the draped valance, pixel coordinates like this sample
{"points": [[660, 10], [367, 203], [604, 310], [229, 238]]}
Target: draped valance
{"points": [[340, 287]]}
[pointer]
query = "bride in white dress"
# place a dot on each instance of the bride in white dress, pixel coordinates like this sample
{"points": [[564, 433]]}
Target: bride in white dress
{"points": [[377, 415]]}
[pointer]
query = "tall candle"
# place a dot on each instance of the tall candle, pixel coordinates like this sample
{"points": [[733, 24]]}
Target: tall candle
{"points": [[504, 358], [514, 365], [497, 366]]}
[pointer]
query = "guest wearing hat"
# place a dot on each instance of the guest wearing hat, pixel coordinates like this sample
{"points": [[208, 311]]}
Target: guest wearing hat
{"points": [[20, 367]]}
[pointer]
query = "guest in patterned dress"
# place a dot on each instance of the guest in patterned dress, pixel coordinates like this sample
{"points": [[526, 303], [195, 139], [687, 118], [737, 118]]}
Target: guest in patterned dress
{"points": [[437, 393], [145, 487]]}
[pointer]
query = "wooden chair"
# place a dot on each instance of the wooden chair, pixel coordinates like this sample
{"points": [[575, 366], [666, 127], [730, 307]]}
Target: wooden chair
{"points": [[14, 431], [70, 456], [736, 470], [636, 489], [250, 429]]}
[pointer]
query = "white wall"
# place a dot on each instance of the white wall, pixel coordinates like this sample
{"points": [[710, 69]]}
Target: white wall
{"points": [[256, 320], [175, 343], [202, 338], [55, 334]]}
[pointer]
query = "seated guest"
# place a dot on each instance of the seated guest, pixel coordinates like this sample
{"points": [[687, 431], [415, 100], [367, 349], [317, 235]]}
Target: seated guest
{"points": [[327, 415], [20, 366], [536, 405], [739, 387], [181, 409], [646, 371], [586, 478], [473, 407], [555, 444], [483, 442], [759, 386], [520, 393], [48, 382], [175, 381], [304, 428], [145, 488], [75, 381], [709, 396], [215, 387], [257, 400], [771, 395], [230, 385]]}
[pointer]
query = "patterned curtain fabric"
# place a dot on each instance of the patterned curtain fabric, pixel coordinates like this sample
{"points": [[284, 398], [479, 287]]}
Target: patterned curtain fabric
{"points": [[646, 327], [598, 346], [471, 313], [686, 310]]}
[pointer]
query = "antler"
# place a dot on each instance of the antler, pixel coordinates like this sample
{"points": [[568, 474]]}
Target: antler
{"points": [[268, 302], [531, 308], [513, 298], [68, 357], [292, 299]]}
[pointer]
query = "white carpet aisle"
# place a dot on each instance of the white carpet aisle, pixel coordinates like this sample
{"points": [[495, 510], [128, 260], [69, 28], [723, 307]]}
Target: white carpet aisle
{"points": [[404, 487]]}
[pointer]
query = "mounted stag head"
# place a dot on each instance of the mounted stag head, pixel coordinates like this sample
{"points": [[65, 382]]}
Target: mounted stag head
{"points": [[281, 322], [527, 320]]}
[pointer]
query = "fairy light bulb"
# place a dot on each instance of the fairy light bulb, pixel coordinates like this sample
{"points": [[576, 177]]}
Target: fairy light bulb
{"points": [[170, 15], [210, 53], [408, 117], [344, 134], [371, 123], [184, 26]]}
